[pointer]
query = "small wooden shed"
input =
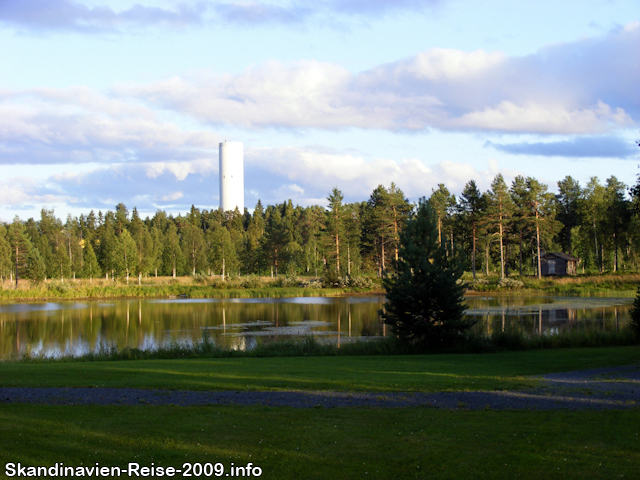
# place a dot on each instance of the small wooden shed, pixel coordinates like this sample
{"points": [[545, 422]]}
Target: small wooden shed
{"points": [[557, 263]]}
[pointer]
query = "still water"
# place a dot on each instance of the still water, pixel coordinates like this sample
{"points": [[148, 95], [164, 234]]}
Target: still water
{"points": [[74, 328]]}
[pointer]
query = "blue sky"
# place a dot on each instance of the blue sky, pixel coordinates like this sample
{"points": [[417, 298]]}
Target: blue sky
{"points": [[105, 101]]}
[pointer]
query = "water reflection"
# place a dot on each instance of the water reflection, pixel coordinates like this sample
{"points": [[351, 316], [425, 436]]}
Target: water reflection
{"points": [[548, 315], [74, 328]]}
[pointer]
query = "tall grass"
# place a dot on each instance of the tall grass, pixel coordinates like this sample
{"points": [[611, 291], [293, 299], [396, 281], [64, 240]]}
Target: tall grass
{"points": [[199, 286], [472, 342], [607, 285]]}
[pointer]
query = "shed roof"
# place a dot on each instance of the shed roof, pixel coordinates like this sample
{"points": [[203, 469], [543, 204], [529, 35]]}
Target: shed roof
{"points": [[564, 256]]}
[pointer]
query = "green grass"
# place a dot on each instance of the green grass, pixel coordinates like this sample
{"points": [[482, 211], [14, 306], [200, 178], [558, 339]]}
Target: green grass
{"points": [[407, 443], [605, 285], [83, 291], [446, 372]]}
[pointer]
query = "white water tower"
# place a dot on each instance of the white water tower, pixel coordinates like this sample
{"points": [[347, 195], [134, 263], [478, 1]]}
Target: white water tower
{"points": [[231, 176]]}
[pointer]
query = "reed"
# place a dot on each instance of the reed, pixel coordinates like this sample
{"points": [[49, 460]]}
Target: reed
{"points": [[310, 346], [85, 290]]}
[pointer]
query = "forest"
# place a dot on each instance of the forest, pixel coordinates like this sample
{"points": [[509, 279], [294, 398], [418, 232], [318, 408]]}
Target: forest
{"points": [[502, 231]]}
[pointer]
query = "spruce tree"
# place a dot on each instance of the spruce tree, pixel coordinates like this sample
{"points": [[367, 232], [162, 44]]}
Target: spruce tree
{"points": [[424, 296], [35, 268], [91, 268]]}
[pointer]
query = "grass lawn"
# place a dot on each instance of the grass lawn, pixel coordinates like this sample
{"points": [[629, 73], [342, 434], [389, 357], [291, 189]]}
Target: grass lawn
{"points": [[337, 443], [318, 443], [359, 373]]}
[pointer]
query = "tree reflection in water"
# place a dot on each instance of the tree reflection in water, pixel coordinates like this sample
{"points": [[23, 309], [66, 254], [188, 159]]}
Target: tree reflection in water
{"points": [[74, 328]]}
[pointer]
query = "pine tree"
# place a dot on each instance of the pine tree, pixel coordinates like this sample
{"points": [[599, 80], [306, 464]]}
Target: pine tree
{"points": [[470, 209], [424, 296], [91, 268], [385, 214], [35, 267], [618, 216], [274, 239], [592, 214], [442, 203], [542, 213], [568, 200], [5, 255], [498, 214], [20, 246], [335, 224]]}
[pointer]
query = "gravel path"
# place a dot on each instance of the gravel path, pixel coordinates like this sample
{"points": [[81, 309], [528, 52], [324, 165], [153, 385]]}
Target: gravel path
{"points": [[604, 388]]}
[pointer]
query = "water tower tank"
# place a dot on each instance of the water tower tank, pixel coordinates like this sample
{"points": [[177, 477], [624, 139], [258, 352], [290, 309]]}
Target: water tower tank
{"points": [[231, 176]]}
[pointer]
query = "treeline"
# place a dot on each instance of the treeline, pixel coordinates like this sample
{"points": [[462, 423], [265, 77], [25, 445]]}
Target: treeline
{"points": [[503, 230]]}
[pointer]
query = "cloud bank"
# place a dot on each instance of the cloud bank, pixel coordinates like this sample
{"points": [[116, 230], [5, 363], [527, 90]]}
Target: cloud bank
{"points": [[50, 126], [72, 15], [605, 146], [76, 16], [576, 88], [304, 175]]}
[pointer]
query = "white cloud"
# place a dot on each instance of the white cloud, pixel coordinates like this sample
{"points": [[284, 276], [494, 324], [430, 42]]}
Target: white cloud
{"points": [[24, 191], [80, 125], [317, 173], [578, 88], [510, 117], [180, 170], [440, 64], [272, 175], [172, 197]]}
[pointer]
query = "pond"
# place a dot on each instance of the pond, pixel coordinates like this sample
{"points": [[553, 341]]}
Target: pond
{"points": [[55, 329]]}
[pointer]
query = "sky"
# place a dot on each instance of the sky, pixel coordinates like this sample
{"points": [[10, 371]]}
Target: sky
{"points": [[117, 101]]}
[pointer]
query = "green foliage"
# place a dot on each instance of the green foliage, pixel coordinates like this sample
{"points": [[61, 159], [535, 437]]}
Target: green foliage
{"points": [[125, 254], [424, 297], [35, 268], [501, 226], [291, 280], [331, 280], [497, 283], [5, 254], [384, 216], [252, 281]]}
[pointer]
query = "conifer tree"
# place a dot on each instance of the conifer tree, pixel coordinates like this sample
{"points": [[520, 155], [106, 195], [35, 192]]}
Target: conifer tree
{"points": [[470, 208], [542, 213], [91, 268], [618, 216], [442, 202], [335, 224], [498, 213], [20, 247], [568, 204], [35, 267], [424, 296], [5, 254]]}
